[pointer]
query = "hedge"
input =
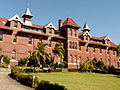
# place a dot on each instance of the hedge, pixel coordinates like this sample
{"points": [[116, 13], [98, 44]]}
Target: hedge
{"points": [[73, 70], [33, 81], [46, 85]]}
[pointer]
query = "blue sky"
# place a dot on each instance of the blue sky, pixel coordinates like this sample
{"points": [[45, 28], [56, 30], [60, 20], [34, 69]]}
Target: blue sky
{"points": [[102, 16]]}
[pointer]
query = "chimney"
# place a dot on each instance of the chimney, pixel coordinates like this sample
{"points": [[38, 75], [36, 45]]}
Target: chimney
{"points": [[60, 23]]}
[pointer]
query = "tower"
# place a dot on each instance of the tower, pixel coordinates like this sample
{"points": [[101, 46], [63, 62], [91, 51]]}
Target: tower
{"points": [[27, 17]]}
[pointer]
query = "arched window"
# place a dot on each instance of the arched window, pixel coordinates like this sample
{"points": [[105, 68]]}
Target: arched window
{"points": [[75, 59], [13, 54], [14, 38], [114, 63], [70, 58], [108, 62], [29, 54], [15, 24], [70, 45]]}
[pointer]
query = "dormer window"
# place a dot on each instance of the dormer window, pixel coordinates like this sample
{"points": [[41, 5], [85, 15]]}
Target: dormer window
{"points": [[15, 24]]}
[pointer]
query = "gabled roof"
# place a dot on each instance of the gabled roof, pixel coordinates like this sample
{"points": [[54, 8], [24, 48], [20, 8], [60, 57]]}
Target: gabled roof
{"points": [[70, 22], [85, 33], [3, 21], [15, 18], [50, 25]]}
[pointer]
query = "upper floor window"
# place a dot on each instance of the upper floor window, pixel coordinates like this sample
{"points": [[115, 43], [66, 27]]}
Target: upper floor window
{"points": [[100, 50], [75, 33], [50, 43], [75, 45], [13, 54], [87, 37], [14, 38], [1, 36], [94, 49], [70, 31], [114, 52], [70, 44], [107, 51], [15, 24], [30, 40], [87, 48]]}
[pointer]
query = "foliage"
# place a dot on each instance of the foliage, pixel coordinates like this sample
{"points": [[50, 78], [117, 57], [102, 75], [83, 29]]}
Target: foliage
{"points": [[100, 65], [73, 70], [61, 65], [56, 65], [22, 61], [33, 62], [59, 50], [4, 65], [6, 59], [111, 69], [46, 85], [58, 70], [41, 53]]}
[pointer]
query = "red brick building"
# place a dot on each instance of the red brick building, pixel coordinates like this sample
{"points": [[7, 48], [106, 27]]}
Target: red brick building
{"points": [[19, 37]]}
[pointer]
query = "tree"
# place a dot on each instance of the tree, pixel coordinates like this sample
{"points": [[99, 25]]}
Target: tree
{"points": [[23, 61], [41, 53], [6, 59], [59, 51]]}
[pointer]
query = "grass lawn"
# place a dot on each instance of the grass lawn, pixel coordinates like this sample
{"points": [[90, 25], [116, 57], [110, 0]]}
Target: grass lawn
{"points": [[82, 81]]}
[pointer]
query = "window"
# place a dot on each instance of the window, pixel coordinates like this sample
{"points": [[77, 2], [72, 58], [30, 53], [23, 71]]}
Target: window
{"points": [[30, 40], [50, 43], [87, 48], [87, 38], [50, 30], [0, 53], [75, 59], [14, 38], [75, 33], [93, 49], [108, 62], [70, 44], [15, 24], [70, 58], [114, 52], [75, 45], [13, 54], [70, 31], [29, 54], [107, 51], [79, 47], [1, 36], [79, 59], [100, 50], [87, 59]]}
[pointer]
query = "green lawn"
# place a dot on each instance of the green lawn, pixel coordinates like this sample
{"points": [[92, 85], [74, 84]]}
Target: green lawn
{"points": [[82, 81]]}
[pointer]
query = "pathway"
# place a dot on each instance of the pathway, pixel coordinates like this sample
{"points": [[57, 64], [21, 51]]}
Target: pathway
{"points": [[7, 83]]}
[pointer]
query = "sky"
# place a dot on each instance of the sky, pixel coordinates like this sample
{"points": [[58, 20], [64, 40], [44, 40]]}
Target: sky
{"points": [[102, 16]]}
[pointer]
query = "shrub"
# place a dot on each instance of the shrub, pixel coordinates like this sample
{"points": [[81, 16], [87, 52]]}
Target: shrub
{"points": [[6, 59], [46, 85], [4, 65], [56, 65], [111, 69], [22, 61], [73, 70], [100, 65], [58, 70], [61, 65]]}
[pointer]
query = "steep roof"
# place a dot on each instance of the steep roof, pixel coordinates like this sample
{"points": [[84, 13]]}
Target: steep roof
{"points": [[70, 22]]}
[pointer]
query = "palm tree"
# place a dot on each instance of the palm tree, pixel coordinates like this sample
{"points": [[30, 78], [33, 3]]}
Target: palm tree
{"points": [[41, 53], [59, 50]]}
